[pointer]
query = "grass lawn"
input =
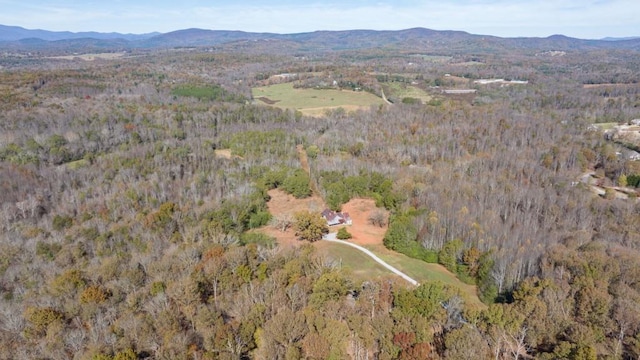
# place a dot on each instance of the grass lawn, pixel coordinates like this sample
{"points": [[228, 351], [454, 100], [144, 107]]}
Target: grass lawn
{"points": [[424, 272], [362, 267], [354, 261], [314, 101], [606, 126]]}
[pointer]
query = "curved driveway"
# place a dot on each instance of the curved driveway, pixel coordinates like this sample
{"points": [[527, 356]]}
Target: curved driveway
{"points": [[332, 238]]}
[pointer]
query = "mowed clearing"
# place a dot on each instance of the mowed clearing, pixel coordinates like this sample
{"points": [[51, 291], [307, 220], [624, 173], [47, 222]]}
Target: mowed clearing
{"points": [[401, 91], [314, 102], [91, 57], [370, 236]]}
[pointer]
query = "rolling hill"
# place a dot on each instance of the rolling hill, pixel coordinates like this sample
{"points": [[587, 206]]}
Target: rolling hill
{"points": [[16, 38]]}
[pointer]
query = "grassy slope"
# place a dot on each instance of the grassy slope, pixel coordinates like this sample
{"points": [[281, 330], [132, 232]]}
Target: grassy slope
{"points": [[363, 267], [400, 91], [312, 101], [358, 264]]}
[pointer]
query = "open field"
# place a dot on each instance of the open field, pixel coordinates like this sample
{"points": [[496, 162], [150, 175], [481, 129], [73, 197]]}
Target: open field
{"points": [[432, 58], [607, 85], [91, 57], [606, 126], [313, 101], [401, 91]]}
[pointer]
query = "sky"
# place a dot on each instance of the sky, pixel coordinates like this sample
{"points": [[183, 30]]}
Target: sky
{"points": [[586, 19]]}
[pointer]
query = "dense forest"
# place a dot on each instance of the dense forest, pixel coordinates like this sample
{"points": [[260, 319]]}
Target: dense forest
{"points": [[125, 234]]}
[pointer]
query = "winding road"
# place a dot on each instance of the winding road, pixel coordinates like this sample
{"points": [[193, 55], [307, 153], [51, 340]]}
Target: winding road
{"points": [[332, 238]]}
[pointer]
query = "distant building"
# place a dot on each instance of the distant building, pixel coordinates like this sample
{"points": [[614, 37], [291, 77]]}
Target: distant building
{"points": [[459, 91], [499, 81], [630, 155], [336, 218]]}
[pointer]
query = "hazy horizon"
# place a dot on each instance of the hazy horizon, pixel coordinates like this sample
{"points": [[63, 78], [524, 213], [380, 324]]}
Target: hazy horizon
{"points": [[594, 19]]}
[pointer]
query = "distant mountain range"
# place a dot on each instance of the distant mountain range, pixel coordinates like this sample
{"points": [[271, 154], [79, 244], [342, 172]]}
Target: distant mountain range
{"points": [[620, 38], [20, 39], [15, 33]]}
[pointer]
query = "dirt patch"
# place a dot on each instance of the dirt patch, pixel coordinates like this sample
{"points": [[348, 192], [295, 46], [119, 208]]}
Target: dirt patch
{"points": [[268, 101], [362, 231], [223, 153], [304, 162], [283, 205], [285, 239], [226, 154]]}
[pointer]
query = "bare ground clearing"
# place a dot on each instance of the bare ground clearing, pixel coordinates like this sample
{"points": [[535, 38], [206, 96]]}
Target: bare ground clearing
{"points": [[362, 231], [370, 236], [225, 154], [284, 205]]}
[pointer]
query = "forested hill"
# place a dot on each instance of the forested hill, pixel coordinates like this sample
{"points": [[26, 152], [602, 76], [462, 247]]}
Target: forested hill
{"points": [[166, 204], [14, 33], [417, 38]]}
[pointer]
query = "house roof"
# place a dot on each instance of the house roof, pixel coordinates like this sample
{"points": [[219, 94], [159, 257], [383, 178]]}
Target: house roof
{"points": [[334, 217]]}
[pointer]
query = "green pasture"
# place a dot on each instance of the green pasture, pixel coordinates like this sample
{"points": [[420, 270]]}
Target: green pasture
{"points": [[313, 101], [606, 125], [354, 261], [402, 90]]}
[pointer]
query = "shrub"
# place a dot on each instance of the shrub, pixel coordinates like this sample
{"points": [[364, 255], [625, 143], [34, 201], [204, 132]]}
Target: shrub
{"points": [[297, 184], [411, 101], [101, 357], [312, 151], [633, 180], [94, 294], [128, 354], [209, 92], [259, 219], [41, 318], [257, 238], [158, 287], [67, 282], [448, 255], [310, 226], [401, 237], [47, 251], [273, 178], [343, 234], [378, 218], [61, 222]]}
